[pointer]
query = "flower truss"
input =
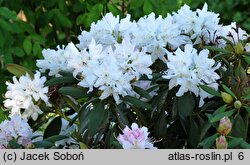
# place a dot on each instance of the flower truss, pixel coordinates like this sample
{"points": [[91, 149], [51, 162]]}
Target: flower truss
{"points": [[111, 70], [25, 94], [178, 77], [189, 70], [135, 138], [16, 129]]}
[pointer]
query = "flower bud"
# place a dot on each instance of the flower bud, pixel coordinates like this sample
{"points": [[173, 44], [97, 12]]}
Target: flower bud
{"points": [[227, 98], [225, 126], [248, 70], [239, 49], [221, 143], [237, 104]]}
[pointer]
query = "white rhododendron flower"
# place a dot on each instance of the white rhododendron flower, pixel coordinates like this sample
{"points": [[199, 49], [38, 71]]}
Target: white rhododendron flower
{"points": [[25, 93], [135, 138], [107, 31], [188, 69], [155, 38], [111, 69], [15, 129], [233, 33], [200, 25], [57, 60], [185, 18]]}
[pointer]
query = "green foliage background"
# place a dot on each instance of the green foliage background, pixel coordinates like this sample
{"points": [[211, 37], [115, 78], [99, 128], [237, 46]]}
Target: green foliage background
{"points": [[28, 26]]}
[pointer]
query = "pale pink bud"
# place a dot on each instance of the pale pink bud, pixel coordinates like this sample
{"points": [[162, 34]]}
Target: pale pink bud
{"points": [[225, 126], [221, 142]]}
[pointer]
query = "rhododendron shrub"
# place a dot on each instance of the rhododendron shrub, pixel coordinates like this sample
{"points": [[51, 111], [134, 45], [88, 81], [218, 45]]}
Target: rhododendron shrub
{"points": [[180, 81]]}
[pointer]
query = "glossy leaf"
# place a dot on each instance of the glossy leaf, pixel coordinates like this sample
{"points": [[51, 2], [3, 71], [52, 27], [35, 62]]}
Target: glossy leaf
{"points": [[61, 80], [73, 91], [229, 91], [221, 115], [98, 118], [54, 128], [210, 90], [185, 105], [137, 102]]}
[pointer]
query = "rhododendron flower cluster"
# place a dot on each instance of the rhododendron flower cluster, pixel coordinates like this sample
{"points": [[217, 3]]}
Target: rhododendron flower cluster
{"points": [[57, 60], [182, 27], [135, 138], [109, 69], [189, 70], [16, 129], [25, 93]]}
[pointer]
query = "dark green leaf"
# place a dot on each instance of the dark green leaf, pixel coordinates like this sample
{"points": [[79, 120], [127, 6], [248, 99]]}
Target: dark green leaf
{"points": [[234, 142], [56, 138], [83, 118], [185, 105], [221, 115], [137, 102], [216, 49], [161, 125], [60, 80], [210, 90], [72, 103], [98, 118], [43, 144], [54, 128], [220, 56], [228, 91], [220, 110], [142, 92], [240, 72], [245, 145], [194, 134], [121, 117], [14, 145], [208, 142], [239, 128], [73, 91], [204, 130]]}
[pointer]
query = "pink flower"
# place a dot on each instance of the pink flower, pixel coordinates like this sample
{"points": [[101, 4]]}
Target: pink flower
{"points": [[137, 138]]}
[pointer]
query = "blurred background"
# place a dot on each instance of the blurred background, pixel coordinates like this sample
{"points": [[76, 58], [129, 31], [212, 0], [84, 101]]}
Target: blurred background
{"points": [[28, 26]]}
